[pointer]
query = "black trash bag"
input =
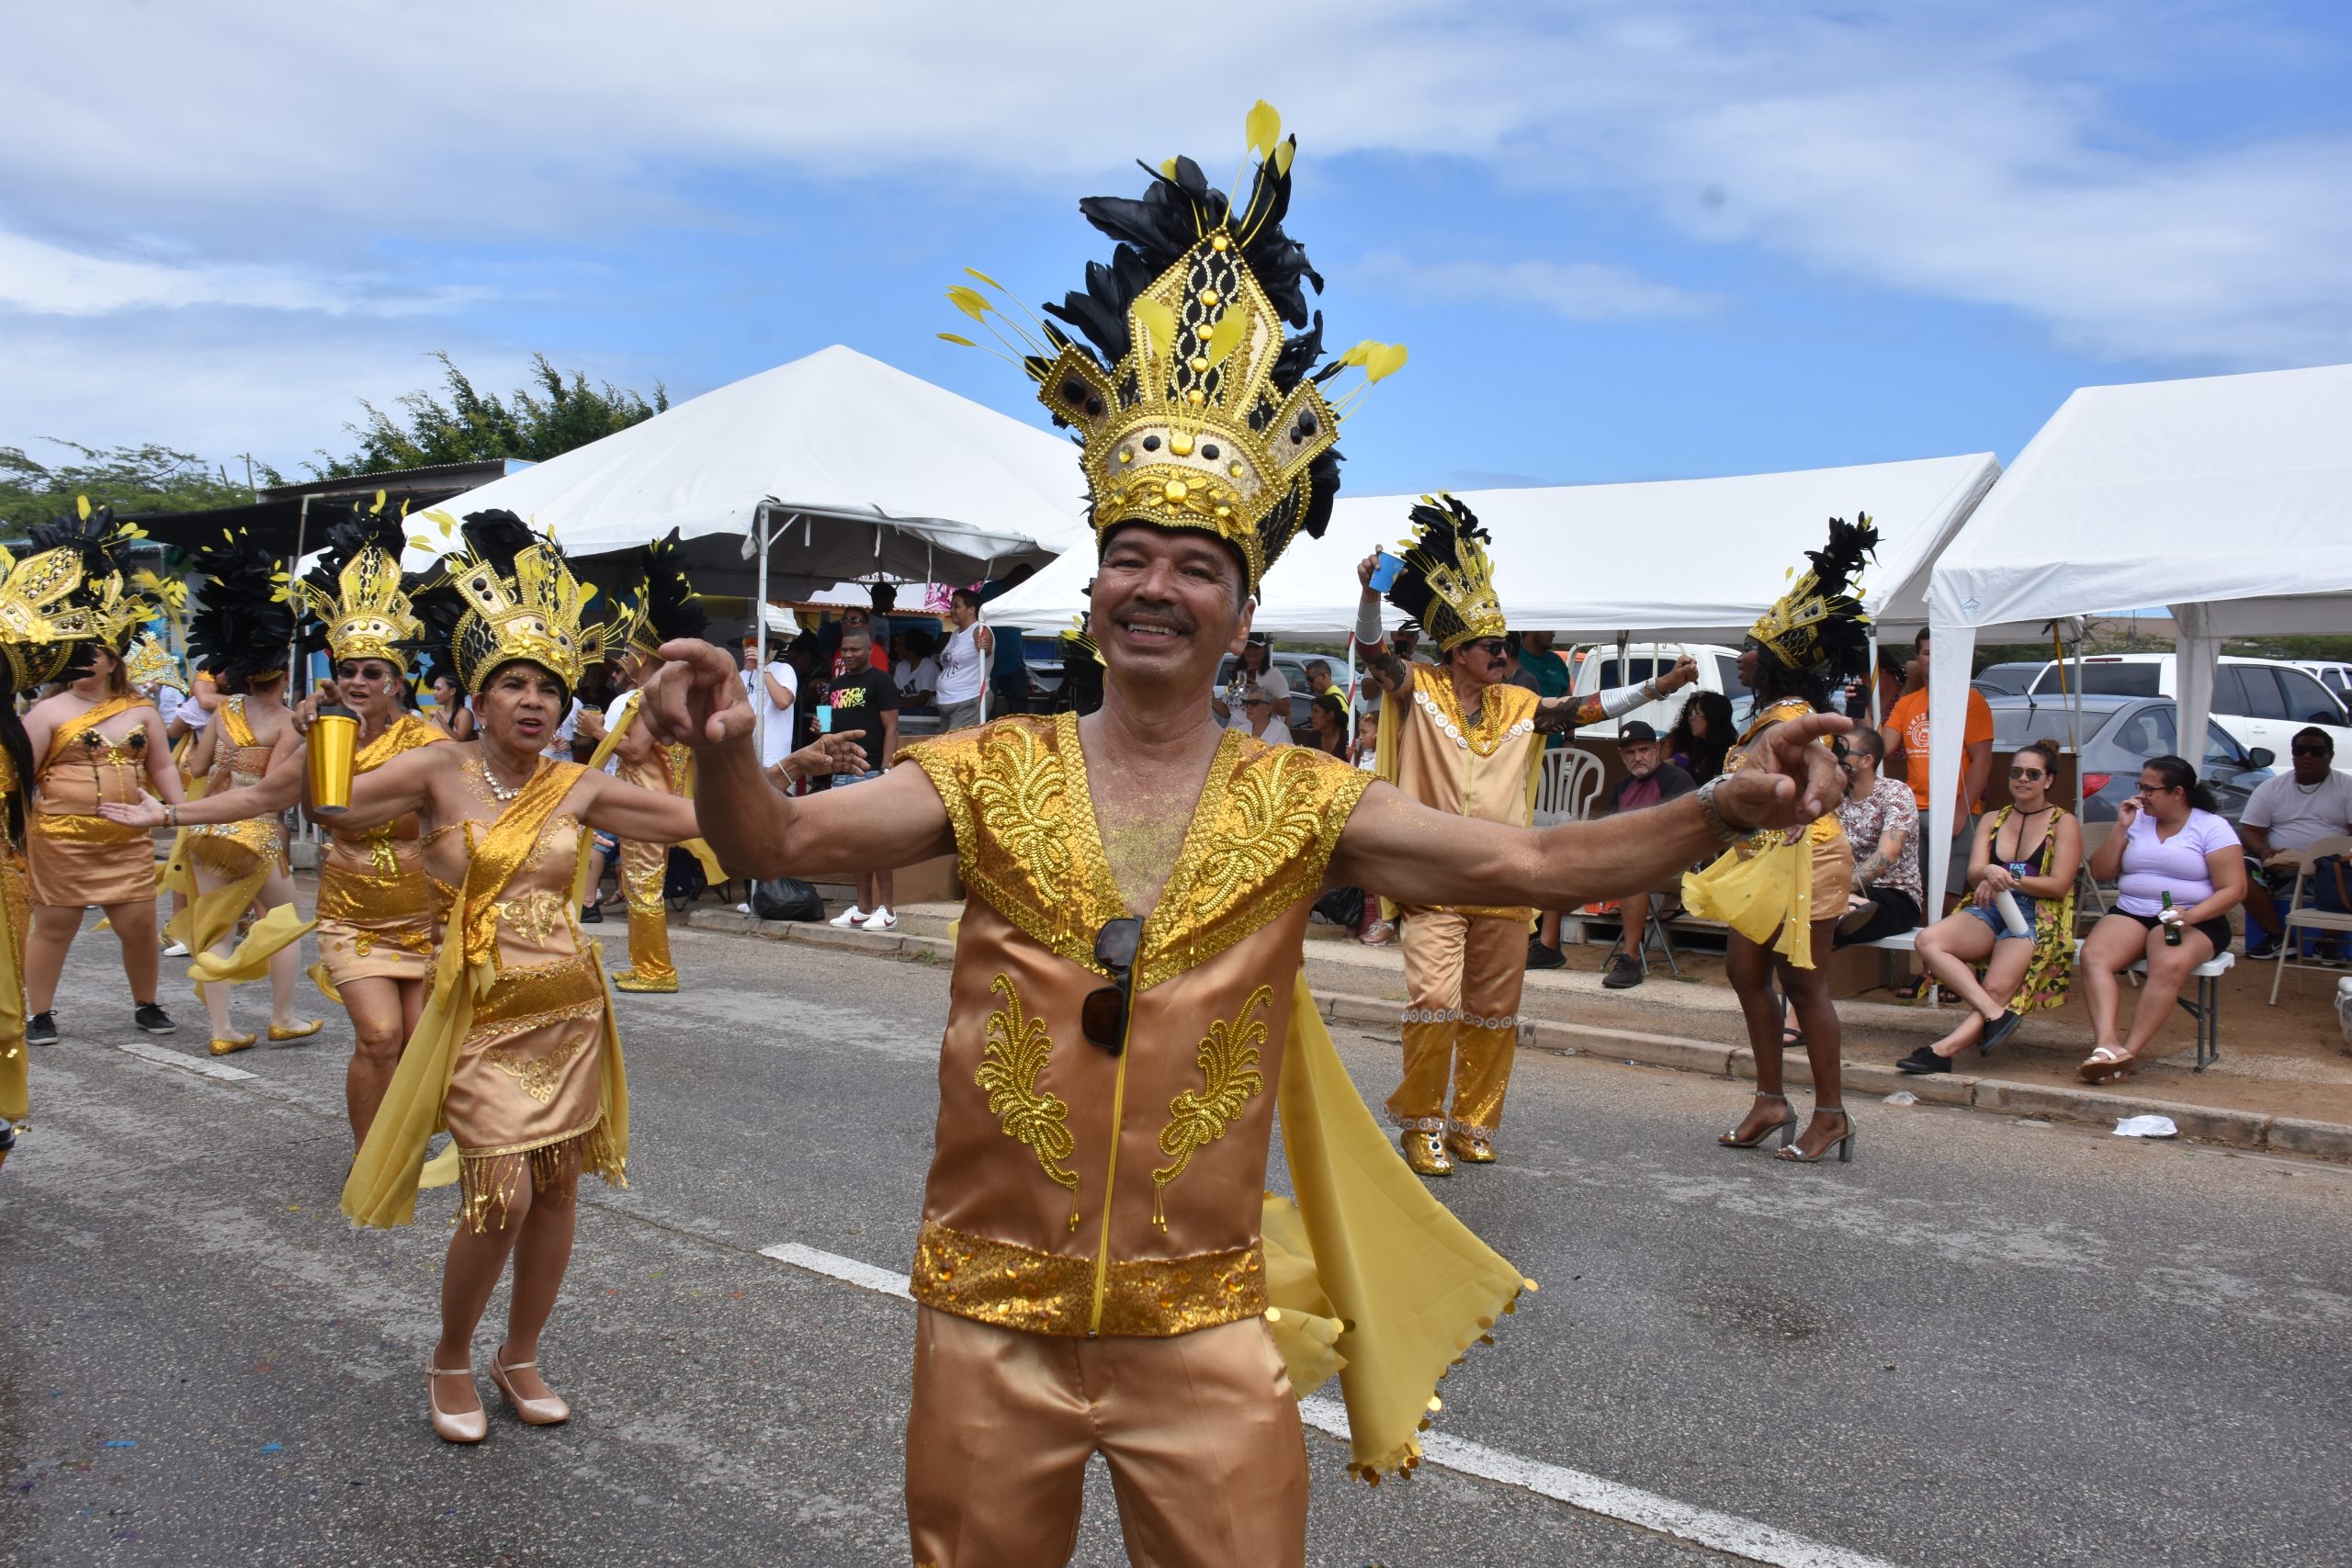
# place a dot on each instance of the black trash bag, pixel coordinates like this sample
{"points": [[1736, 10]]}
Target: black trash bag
{"points": [[786, 898], [1342, 907]]}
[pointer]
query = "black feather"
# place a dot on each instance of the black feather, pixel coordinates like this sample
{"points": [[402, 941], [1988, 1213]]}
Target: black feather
{"points": [[243, 626], [673, 609]]}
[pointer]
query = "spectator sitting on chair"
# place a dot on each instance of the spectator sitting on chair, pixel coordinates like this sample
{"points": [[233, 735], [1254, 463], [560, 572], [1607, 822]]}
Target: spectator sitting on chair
{"points": [[1880, 818], [863, 702], [2288, 814], [1702, 735], [2180, 867], [1256, 713], [1905, 733], [1327, 720], [1650, 780], [2030, 848]]}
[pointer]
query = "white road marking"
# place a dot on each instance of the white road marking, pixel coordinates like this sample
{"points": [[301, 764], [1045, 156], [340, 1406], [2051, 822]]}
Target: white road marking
{"points": [[834, 1266], [182, 1060], [1726, 1533]]}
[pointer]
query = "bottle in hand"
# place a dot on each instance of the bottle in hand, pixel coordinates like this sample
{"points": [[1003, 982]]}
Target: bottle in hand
{"points": [[2172, 928]]}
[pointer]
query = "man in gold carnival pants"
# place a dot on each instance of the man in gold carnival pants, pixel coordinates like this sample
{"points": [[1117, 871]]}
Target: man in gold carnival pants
{"points": [[1459, 741], [1099, 1268]]}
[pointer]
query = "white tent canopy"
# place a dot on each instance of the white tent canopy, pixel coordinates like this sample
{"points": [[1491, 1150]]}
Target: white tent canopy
{"points": [[1686, 559], [2228, 498], [855, 467]]}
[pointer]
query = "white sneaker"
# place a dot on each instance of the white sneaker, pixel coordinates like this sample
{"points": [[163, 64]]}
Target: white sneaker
{"points": [[177, 950], [882, 920], [851, 917], [743, 909]]}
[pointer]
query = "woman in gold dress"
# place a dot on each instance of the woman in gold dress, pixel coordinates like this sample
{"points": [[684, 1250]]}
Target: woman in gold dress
{"points": [[92, 742], [1781, 893], [244, 631], [376, 935], [44, 605], [517, 1053]]}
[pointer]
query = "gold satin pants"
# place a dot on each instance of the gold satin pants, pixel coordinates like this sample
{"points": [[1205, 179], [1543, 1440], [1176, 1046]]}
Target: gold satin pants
{"points": [[643, 868], [1462, 975], [1201, 1431]]}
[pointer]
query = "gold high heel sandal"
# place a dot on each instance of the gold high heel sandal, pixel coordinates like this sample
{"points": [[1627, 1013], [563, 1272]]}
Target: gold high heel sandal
{"points": [[466, 1425], [548, 1412]]}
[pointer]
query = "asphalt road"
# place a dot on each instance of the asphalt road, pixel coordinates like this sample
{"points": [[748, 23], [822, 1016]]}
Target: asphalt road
{"points": [[1986, 1341]]}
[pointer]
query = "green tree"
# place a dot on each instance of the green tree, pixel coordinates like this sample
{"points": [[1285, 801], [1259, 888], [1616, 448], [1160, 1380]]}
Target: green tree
{"points": [[458, 424], [130, 478]]}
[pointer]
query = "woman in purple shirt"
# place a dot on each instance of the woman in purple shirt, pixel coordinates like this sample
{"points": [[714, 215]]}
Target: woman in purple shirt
{"points": [[2182, 868]]}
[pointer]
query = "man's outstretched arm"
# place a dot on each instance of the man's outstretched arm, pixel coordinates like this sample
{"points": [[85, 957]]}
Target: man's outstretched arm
{"points": [[696, 699], [1397, 847]]}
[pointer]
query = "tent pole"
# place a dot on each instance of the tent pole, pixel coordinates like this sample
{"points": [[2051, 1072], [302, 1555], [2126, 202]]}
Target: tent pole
{"points": [[1873, 678], [760, 624], [1623, 642]]}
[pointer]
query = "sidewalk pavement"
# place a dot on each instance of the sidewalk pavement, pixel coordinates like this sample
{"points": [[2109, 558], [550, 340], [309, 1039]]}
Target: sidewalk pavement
{"points": [[2283, 1083]]}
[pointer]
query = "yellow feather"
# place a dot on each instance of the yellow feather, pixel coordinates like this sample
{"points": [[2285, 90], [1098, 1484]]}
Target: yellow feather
{"points": [[1360, 353], [983, 278], [1264, 127], [963, 342], [1158, 324], [1168, 167], [1225, 336], [969, 300], [1283, 154], [419, 542], [1384, 361], [379, 502], [82, 505]]}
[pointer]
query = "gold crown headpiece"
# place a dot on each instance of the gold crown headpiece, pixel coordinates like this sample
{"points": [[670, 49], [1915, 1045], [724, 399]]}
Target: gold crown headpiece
{"points": [[1195, 410], [43, 613], [73, 583], [1447, 579], [151, 662], [516, 598], [358, 592], [1819, 626]]}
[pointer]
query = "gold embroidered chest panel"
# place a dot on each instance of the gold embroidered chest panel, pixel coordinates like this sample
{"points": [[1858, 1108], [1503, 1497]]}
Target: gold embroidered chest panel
{"points": [[1466, 769], [1074, 1190]]}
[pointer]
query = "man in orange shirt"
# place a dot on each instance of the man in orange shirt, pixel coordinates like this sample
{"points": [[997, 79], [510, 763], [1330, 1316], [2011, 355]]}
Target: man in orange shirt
{"points": [[1906, 738]]}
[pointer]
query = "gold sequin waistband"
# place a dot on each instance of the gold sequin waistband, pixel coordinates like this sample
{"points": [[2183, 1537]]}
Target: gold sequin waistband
{"points": [[522, 992], [83, 829], [1042, 1293], [357, 898]]}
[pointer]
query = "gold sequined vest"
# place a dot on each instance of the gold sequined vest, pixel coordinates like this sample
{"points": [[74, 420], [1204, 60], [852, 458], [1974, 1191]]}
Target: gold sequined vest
{"points": [[1074, 1192]]}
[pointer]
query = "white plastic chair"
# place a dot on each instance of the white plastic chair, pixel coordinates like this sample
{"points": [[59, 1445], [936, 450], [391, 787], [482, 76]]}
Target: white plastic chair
{"points": [[1568, 787], [2298, 914]]}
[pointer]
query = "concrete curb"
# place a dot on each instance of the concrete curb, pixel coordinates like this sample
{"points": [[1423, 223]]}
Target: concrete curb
{"points": [[2053, 1102]]}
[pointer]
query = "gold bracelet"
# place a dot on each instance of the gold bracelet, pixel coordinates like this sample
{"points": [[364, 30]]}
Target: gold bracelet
{"points": [[171, 815]]}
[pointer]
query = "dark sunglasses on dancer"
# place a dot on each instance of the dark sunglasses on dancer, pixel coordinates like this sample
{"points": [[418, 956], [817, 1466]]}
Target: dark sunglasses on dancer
{"points": [[1492, 647], [1104, 1017]]}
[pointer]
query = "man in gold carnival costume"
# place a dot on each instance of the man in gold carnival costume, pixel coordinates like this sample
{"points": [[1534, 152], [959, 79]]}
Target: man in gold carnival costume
{"points": [[47, 604], [1099, 1267], [1470, 744], [1781, 893], [663, 608]]}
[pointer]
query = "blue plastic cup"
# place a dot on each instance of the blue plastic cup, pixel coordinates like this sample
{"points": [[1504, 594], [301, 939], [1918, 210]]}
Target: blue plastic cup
{"points": [[1384, 570]]}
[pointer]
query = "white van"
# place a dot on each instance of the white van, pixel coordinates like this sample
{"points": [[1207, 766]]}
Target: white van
{"points": [[2335, 677], [2260, 702], [1599, 670]]}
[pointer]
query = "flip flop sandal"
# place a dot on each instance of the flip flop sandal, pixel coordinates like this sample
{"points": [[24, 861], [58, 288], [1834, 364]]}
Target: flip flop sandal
{"points": [[2105, 1062]]}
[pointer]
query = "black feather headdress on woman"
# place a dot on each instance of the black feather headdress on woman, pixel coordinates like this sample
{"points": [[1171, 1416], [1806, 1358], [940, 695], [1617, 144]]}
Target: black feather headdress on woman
{"points": [[1818, 627], [245, 625]]}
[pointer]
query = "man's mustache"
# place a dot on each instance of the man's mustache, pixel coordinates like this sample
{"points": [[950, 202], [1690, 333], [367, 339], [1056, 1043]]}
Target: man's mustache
{"points": [[1146, 611]]}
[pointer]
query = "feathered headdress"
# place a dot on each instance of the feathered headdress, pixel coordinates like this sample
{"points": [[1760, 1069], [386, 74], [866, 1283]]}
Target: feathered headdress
{"points": [[508, 594], [108, 610], [357, 594], [244, 625], [1193, 410], [664, 606], [1447, 580], [43, 613], [1819, 626]]}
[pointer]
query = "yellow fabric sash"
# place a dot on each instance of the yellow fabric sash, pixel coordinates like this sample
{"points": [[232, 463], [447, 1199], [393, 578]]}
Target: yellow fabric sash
{"points": [[381, 1189], [90, 719], [232, 719], [1371, 1277], [597, 759], [16, 1093], [211, 915], [1764, 894]]}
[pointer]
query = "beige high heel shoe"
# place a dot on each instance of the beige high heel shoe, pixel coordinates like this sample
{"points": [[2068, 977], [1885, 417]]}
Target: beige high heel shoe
{"points": [[466, 1426], [548, 1412]]}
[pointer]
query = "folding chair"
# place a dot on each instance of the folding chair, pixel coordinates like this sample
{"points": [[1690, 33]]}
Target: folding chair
{"points": [[2298, 913]]}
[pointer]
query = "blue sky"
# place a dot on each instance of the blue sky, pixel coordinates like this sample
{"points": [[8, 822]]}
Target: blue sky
{"points": [[1622, 241]]}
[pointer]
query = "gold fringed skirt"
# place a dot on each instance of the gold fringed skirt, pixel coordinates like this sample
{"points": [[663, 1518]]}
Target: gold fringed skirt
{"points": [[527, 1094]]}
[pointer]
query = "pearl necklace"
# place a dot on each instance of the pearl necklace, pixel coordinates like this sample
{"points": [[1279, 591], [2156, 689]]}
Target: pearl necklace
{"points": [[506, 796]]}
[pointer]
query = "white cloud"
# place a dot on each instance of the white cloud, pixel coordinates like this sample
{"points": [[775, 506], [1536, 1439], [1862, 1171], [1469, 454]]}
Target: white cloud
{"points": [[46, 279], [1581, 291], [1983, 152]]}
